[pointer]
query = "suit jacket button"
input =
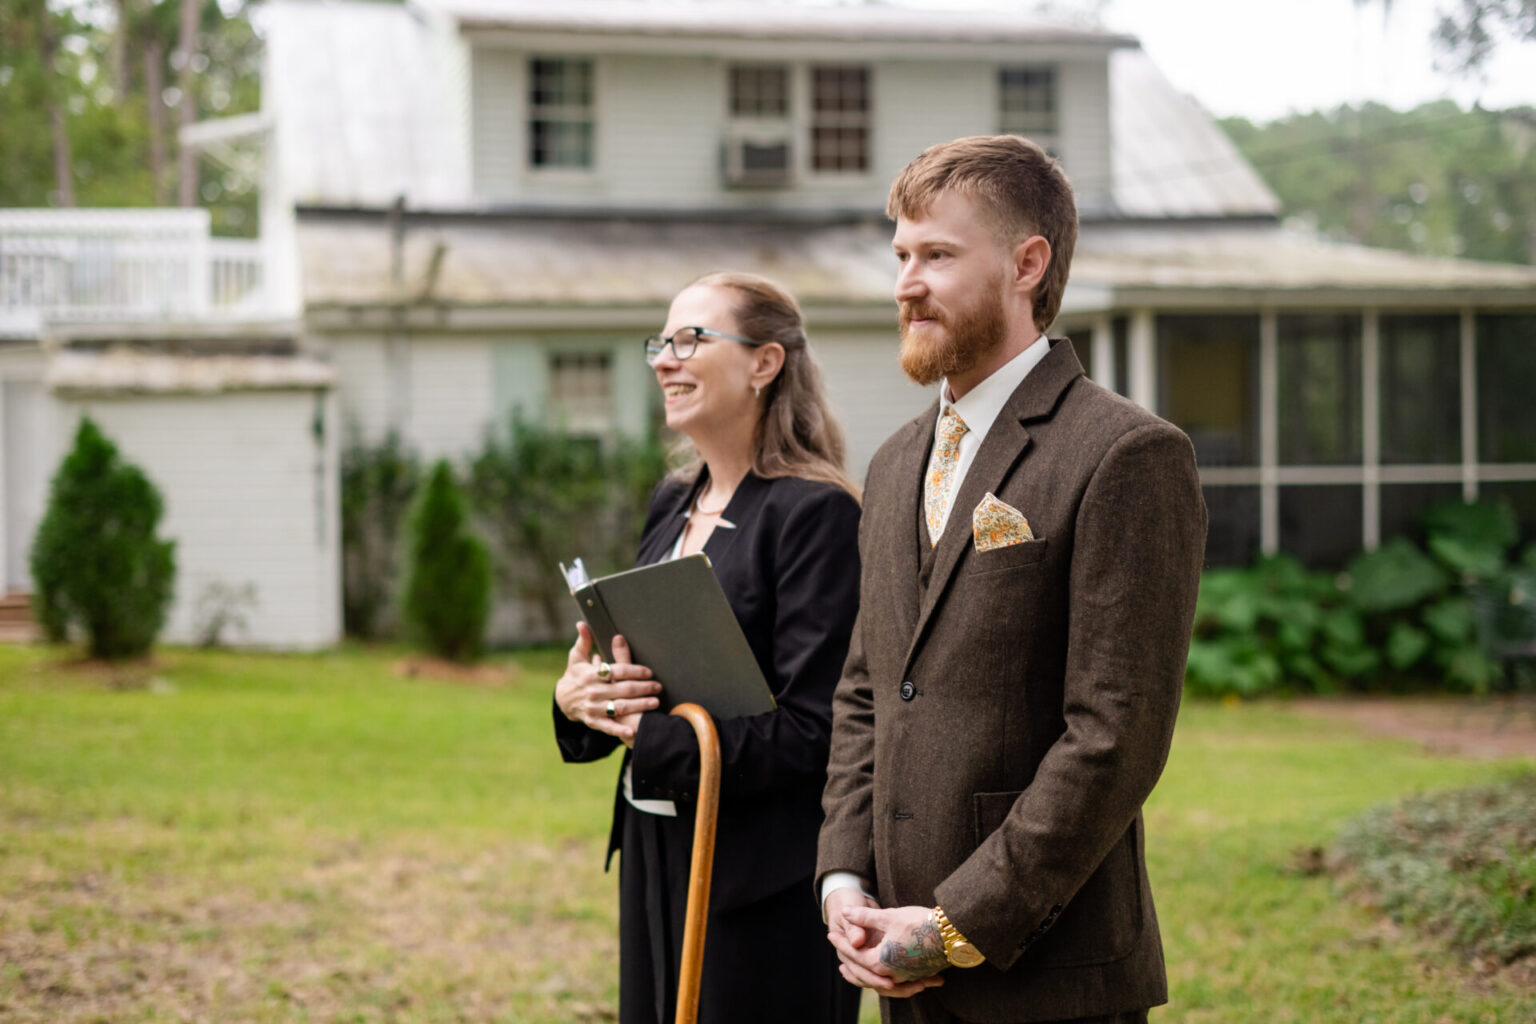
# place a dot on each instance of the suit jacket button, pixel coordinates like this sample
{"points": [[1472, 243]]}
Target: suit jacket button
{"points": [[908, 691]]}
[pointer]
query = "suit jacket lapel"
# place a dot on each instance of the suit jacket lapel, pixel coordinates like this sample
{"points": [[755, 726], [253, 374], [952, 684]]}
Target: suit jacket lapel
{"points": [[1001, 450], [907, 537]]}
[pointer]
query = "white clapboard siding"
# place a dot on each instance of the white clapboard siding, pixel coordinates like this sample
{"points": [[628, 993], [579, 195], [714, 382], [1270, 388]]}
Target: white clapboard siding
{"points": [[660, 123], [250, 498], [26, 462], [451, 386], [919, 103], [498, 90], [869, 393], [362, 385], [1083, 119]]}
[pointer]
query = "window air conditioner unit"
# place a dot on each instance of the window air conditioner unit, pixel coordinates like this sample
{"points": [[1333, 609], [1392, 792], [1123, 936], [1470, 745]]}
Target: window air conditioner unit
{"points": [[757, 157]]}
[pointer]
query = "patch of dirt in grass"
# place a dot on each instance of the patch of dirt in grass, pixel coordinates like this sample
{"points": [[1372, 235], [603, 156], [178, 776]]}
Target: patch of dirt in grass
{"points": [[1485, 728], [353, 932], [454, 672]]}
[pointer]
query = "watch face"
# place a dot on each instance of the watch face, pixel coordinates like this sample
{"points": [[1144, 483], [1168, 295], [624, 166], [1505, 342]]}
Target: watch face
{"points": [[963, 954]]}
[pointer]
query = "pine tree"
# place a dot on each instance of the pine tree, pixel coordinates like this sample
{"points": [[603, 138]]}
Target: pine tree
{"points": [[96, 562], [448, 592]]}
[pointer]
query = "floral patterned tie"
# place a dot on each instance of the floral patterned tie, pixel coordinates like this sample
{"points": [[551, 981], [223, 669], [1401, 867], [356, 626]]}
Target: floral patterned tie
{"points": [[940, 481]]}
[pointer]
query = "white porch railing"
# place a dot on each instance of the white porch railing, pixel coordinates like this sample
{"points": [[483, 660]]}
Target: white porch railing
{"points": [[122, 266]]}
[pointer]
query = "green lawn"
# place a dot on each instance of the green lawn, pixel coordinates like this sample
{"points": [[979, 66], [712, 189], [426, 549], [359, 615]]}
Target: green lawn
{"points": [[282, 838]]}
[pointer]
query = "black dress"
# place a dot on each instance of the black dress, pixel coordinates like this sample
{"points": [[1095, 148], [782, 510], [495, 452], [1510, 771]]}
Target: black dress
{"points": [[790, 569]]}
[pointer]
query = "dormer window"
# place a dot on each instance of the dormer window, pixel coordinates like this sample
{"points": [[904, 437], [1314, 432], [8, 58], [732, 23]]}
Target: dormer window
{"points": [[560, 113], [840, 110], [1027, 104]]}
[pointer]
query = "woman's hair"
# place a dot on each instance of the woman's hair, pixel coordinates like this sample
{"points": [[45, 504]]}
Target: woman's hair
{"points": [[796, 434]]}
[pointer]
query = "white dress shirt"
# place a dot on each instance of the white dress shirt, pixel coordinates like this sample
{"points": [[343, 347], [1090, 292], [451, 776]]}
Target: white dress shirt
{"points": [[978, 408]]}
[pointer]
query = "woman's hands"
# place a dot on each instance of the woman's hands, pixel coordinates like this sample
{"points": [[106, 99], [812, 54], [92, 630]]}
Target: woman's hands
{"points": [[583, 696]]}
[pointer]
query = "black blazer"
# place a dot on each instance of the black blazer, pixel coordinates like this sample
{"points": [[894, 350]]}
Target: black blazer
{"points": [[790, 570]]}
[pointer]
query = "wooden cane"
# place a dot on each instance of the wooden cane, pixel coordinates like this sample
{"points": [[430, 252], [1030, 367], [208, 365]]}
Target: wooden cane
{"points": [[697, 916]]}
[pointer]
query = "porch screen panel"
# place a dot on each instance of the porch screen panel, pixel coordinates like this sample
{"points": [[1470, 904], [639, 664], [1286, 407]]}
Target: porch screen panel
{"points": [[1320, 524], [1319, 390], [1208, 384], [1233, 537], [1122, 336], [1420, 389], [1506, 388]]}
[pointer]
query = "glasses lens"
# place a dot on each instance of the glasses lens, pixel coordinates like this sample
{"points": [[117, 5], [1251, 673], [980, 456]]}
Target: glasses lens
{"points": [[653, 346], [684, 342]]}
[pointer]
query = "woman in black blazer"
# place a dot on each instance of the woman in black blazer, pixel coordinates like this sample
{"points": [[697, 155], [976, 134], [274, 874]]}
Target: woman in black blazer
{"points": [[765, 496]]}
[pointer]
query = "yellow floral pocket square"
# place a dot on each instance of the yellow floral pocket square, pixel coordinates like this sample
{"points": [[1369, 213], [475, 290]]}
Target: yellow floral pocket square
{"points": [[996, 524]]}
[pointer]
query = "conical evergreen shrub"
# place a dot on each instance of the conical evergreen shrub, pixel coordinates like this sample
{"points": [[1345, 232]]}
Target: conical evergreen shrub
{"points": [[448, 590], [97, 565]]}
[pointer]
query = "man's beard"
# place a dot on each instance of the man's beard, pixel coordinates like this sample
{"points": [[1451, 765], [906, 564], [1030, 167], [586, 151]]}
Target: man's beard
{"points": [[965, 338]]}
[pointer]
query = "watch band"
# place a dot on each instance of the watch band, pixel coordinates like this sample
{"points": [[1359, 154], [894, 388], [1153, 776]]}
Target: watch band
{"points": [[958, 950]]}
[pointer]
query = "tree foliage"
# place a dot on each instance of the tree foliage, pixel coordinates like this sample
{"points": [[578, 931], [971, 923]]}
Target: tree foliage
{"points": [[1436, 180], [448, 591], [96, 563], [116, 74]]}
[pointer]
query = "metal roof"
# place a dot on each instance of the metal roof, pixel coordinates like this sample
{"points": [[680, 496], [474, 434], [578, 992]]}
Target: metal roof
{"points": [[586, 264], [1275, 258], [125, 371], [1168, 158]]}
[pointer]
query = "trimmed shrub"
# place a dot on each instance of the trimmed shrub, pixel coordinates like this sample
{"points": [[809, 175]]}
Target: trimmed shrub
{"points": [[96, 563], [448, 593], [1460, 865]]}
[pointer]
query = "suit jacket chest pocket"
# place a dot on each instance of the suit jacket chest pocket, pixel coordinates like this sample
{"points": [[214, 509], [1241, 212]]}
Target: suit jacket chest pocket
{"points": [[1014, 556]]}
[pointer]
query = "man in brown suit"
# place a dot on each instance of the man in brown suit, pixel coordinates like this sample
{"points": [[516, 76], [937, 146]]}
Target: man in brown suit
{"points": [[1031, 552]]}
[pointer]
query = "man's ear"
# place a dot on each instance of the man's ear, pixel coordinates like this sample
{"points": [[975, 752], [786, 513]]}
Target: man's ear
{"points": [[1031, 257], [767, 361]]}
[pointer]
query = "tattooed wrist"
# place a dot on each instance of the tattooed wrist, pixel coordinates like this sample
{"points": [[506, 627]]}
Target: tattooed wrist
{"points": [[920, 956]]}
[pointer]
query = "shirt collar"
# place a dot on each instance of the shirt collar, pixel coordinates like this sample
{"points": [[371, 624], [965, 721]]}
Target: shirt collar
{"points": [[980, 406]]}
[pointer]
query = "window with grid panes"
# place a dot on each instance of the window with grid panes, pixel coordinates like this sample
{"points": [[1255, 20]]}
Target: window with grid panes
{"points": [[840, 119], [560, 112], [1027, 102], [760, 91], [581, 391]]}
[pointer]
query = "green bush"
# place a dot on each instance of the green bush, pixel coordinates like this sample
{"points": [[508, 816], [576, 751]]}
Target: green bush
{"points": [[1460, 864], [1271, 627], [548, 497], [97, 565], [378, 484], [1459, 615], [448, 592]]}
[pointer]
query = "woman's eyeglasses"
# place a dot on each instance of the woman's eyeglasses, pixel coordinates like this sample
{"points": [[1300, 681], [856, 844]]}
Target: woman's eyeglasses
{"points": [[685, 342]]}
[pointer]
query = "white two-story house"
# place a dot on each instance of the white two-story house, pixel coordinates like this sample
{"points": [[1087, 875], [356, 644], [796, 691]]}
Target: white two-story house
{"points": [[478, 208]]}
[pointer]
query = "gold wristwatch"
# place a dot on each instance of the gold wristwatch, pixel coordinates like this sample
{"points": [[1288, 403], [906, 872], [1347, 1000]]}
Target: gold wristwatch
{"points": [[957, 948]]}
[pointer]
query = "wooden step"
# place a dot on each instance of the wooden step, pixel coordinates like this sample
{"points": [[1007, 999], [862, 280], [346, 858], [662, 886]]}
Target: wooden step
{"points": [[16, 624]]}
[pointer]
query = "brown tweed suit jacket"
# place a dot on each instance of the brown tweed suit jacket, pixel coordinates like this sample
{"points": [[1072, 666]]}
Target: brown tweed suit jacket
{"points": [[1004, 714]]}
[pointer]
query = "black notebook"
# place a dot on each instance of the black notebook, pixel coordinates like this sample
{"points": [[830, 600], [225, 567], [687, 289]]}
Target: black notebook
{"points": [[679, 625]]}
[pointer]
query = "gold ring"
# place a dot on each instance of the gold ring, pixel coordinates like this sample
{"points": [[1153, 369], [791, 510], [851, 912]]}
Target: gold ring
{"points": [[604, 671], [611, 711]]}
